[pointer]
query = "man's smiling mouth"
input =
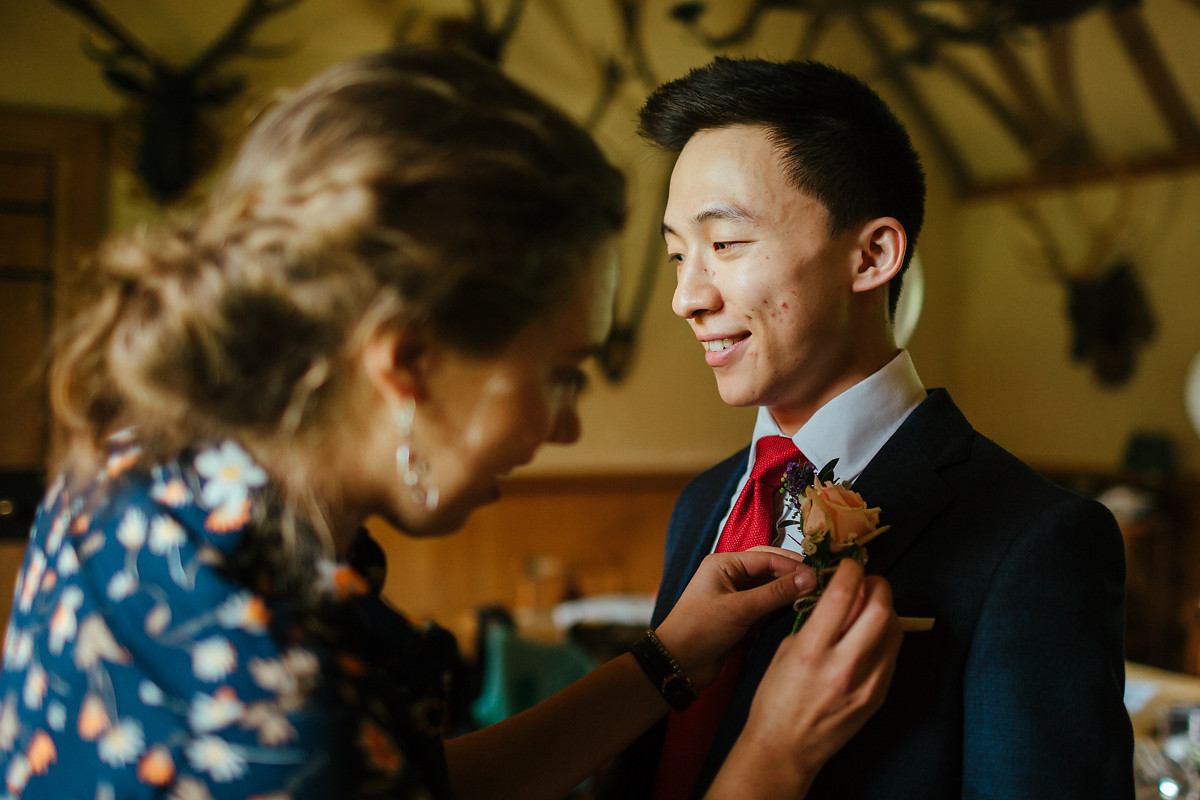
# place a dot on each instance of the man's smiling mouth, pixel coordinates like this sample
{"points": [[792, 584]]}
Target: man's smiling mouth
{"points": [[717, 345]]}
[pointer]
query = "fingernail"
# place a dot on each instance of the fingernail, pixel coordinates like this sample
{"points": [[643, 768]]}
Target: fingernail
{"points": [[805, 581]]}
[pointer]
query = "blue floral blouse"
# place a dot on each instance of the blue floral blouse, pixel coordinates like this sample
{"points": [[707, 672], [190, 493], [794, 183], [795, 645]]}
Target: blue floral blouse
{"points": [[135, 665]]}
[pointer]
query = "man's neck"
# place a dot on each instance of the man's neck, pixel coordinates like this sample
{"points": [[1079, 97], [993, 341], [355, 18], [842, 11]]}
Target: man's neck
{"points": [[793, 416]]}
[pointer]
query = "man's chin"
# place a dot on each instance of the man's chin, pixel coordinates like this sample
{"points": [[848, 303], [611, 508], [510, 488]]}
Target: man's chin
{"points": [[737, 396]]}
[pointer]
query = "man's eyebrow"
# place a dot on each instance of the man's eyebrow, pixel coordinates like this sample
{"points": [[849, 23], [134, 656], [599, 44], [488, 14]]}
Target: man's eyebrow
{"points": [[727, 211]]}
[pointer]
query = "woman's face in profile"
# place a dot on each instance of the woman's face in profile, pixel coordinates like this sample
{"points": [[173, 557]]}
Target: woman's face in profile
{"points": [[486, 417]]}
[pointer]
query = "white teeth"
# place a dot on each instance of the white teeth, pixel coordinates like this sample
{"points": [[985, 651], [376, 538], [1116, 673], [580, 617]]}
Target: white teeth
{"points": [[719, 344]]}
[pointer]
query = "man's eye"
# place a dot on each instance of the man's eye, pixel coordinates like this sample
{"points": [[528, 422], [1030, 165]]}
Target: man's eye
{"points": [[720, 245], [674, 258]]}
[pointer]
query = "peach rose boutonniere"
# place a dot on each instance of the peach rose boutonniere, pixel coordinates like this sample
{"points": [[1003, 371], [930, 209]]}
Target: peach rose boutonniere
{"points": [[835, 521]]}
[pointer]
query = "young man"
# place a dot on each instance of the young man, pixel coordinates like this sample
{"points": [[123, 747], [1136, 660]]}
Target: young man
{"points": [[794, 207]]}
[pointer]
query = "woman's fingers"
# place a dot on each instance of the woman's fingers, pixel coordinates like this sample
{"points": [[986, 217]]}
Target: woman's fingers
{"points": [[779, 551], [761, 563], [872, 640], [836, 609], [758, 601]]}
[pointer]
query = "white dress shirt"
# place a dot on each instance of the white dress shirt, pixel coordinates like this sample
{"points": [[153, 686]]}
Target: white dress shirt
{"points": [[851, 427]]}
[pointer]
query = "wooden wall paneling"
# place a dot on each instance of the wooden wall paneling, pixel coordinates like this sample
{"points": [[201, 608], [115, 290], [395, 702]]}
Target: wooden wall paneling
{"points": [[53, 210], [77, 146], [26, 286], [549, 538]]}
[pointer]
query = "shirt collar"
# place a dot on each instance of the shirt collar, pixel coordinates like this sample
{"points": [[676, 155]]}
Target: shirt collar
{"points": [[856, 424]]}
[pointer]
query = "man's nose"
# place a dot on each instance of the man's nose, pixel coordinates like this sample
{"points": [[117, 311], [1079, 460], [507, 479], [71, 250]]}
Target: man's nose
{"points": [[695, 292]]}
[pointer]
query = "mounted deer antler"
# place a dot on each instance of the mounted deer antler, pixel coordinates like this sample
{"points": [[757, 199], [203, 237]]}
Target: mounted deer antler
{"points": [[1108, 309], [170, 132], [474, 32]]}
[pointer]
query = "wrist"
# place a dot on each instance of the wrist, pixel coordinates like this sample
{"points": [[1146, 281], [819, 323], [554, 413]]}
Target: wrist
{"points": [[661, 668], [755, 771]]}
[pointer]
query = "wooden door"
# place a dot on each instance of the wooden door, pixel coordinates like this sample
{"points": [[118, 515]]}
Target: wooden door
{"points": [[53, 196]]}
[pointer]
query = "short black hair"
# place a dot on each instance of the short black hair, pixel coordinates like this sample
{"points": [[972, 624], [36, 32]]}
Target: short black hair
{"points": [[841, 142]]}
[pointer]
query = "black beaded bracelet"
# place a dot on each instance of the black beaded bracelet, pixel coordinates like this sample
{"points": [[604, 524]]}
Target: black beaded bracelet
{"points": [[664, 671]]}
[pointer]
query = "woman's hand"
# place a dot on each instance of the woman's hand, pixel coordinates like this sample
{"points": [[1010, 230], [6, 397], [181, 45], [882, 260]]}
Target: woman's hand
{"points": [[825, 681], [727, 596]]}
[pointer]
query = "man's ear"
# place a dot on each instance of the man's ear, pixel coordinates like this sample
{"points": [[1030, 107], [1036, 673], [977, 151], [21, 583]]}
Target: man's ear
{"points": [[882, 243], [395, 359]]}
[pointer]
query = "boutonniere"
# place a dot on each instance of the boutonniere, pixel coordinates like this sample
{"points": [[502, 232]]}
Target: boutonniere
{"points": [[834, 520]]}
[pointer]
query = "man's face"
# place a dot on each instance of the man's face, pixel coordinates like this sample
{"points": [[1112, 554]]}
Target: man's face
{"points": [[759, 280]]}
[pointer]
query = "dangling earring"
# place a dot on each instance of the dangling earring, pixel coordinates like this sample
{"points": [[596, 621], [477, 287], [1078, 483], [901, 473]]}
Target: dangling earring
{"points": [[412, 469]]}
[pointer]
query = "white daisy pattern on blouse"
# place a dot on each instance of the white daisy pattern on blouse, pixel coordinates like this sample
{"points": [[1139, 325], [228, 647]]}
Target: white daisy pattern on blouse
{"points": [[188, 788], [9, 724], [56, 716], [158, 619], [170, 490], [63, 624], [229, 475], [96, 642], [217, 758], [123, 584], [36, 682], [272, 726], [30, 580], [57, 531], [213, 659], [165, 535], [122, 743], [18, 649], [211, 712], [132, 530], [244, 611], [68, 562], [136, 664], [17, 774]]}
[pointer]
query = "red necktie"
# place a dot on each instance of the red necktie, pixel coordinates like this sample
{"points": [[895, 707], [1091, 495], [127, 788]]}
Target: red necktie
{"points": [[751, 523]]}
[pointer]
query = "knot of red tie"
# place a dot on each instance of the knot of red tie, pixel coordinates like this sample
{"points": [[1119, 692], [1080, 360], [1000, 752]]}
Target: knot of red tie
{"points": [[752, 521], [773, 453]]}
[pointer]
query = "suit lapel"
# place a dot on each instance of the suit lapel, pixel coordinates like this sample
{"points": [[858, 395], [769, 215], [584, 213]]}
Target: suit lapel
{"points": [[904, 481], [706, 501]]}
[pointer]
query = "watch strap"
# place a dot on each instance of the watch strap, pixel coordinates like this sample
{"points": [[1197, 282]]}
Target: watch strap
{"points": [[664, 671]]}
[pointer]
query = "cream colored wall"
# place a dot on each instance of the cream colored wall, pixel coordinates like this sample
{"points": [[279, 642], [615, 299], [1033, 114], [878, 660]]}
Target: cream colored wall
{"points": [[1014, 374], [992, 329]]}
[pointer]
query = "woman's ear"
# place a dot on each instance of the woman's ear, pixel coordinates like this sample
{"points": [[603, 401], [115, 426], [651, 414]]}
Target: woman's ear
{"points": [[395, 361], [882, 244]]}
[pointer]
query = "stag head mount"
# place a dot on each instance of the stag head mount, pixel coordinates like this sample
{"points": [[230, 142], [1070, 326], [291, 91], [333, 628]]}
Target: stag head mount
{"points": [[172, 143], [1107, 306], [474, 31]]}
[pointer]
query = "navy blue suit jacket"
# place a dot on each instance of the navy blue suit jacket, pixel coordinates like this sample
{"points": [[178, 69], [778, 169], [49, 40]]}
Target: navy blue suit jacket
{"points": [[1017, 692]]}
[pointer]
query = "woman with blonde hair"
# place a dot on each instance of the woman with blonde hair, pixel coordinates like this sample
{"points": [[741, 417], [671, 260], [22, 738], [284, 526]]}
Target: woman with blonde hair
{"points": [[383, 310]]}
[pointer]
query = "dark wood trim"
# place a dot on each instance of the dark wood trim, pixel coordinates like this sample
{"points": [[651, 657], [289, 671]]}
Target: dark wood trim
{"points": [[25, 274], [1072, 177], [1048, 139], [894, 69], [1147, 60], [1017, 127], [1060, 59]]}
